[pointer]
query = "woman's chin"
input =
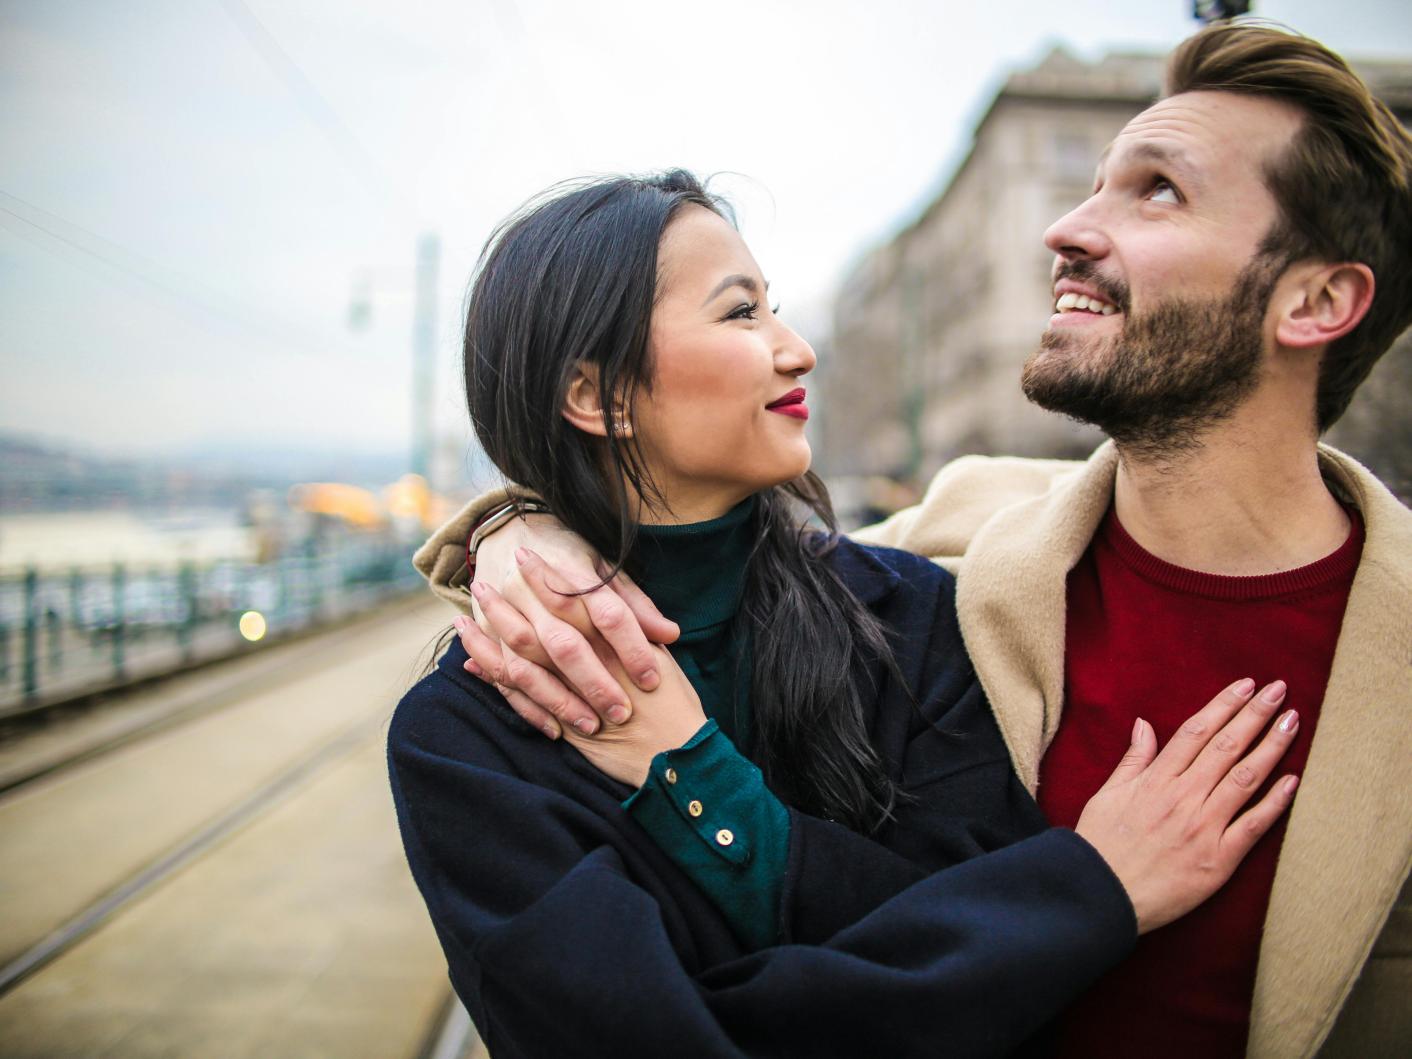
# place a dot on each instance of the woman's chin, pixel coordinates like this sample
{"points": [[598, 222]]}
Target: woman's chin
{"points": [[796, 469]]}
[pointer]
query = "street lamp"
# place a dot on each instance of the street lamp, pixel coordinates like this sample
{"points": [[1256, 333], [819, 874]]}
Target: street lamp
{"points": [[1209, 11]]}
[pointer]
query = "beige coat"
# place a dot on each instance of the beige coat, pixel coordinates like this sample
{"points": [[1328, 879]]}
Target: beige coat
{"points": [[1012, 529]]}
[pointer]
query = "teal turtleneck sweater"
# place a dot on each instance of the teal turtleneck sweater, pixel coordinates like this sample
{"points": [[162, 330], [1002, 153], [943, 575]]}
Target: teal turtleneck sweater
{"points": [[705, 804], [696, 576]]}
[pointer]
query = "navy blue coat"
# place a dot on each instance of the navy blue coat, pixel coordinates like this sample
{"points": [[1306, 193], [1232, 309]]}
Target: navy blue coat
{"points": [[568, 933]]}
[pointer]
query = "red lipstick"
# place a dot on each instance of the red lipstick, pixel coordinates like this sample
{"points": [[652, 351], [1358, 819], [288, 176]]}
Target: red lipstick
{"points": [[791, 404]]}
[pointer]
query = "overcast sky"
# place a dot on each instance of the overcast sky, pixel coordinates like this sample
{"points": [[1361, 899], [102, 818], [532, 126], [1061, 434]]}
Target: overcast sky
{"points": [[190, 189]]}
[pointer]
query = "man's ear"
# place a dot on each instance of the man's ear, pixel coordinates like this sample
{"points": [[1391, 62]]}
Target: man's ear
{"points": [[1326, 303], [583, 404]]}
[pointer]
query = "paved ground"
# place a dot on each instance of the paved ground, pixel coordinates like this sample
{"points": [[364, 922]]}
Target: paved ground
{"points": [[292, 930]]}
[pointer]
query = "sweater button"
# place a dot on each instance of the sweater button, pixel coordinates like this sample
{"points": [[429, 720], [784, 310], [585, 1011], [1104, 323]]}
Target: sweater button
{"points": [[694, 808], [671, 775], [724, 837]]}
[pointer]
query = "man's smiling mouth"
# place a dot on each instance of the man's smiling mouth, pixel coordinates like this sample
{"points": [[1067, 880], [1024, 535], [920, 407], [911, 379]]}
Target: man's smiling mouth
{"points": [[1070, 302]]}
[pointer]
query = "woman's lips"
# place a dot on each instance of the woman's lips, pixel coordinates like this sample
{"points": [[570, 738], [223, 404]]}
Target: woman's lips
{"points": [[791, 404]]}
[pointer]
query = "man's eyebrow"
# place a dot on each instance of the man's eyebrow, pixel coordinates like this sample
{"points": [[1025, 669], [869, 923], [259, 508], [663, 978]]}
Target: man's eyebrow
{"points": [[737, 280], [1162, 156]]}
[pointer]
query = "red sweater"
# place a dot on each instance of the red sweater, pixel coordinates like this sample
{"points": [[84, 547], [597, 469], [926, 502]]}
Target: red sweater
{"points": [[1149, 639]]}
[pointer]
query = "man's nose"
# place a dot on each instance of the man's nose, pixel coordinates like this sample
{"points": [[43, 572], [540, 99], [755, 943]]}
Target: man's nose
{"points": [[1079, 234]]}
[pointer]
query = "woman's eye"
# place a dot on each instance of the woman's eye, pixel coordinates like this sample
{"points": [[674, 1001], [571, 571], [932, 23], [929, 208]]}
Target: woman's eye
{"points": [[775, 309], [1164, 192], [748, 311]]}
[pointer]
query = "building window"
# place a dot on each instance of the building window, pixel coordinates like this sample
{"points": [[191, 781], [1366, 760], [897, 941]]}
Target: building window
{"points": [[1074, 156]]}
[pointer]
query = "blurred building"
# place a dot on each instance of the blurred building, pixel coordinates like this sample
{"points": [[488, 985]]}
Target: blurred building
{"points": [[931, 328]]}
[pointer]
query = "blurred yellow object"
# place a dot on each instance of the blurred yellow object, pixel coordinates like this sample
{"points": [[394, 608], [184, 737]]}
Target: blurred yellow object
{"points": [[355, 505], [252, 625], [409, 497]]}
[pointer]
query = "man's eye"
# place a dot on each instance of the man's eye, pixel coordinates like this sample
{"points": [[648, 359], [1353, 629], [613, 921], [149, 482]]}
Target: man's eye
{"points": [[1164, 192]]}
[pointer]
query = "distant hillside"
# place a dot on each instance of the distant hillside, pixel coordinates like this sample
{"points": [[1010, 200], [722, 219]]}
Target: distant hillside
{"points": [[37, 475]]}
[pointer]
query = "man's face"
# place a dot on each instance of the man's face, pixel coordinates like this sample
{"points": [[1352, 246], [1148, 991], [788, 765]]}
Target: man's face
{"points": [[1160, 290]]}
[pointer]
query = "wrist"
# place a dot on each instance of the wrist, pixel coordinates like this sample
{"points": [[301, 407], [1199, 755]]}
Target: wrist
{"points": [[492, 521]]}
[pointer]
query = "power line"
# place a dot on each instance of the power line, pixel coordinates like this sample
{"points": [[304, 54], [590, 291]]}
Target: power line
{"points": [[55, 234], [349, 148]]}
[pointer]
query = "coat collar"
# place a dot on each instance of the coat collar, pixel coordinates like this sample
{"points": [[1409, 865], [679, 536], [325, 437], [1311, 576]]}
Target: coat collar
{"points": [[1348, 847], [869, 578], [1010, 598]]}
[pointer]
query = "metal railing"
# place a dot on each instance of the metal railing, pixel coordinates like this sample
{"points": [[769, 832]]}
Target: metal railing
{"points": [[70, 633]]}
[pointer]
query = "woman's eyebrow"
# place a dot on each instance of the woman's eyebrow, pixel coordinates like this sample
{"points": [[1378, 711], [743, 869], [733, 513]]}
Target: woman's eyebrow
{"points": [[737, 280]]}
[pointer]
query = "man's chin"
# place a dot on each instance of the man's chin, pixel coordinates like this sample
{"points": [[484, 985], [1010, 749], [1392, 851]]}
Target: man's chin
{"points": [[1054, 379]]}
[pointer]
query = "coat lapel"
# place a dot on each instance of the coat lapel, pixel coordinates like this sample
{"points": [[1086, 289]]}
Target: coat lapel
{"points": [[1010, 599], [1348, 847]]}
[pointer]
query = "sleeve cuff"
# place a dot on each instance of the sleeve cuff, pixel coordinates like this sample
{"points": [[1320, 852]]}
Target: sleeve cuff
{"points": [[707, 808]]}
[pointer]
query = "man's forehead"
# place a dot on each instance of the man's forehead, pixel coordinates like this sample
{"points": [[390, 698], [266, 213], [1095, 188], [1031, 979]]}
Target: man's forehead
{"points": [[1203, 129]]}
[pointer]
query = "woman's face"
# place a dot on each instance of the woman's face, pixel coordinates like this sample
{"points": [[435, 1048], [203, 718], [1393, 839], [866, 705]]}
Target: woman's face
{"points": [[724, 416]]}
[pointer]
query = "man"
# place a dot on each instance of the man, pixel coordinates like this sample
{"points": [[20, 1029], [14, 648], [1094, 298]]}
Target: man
{"points": [[1244, 259]]}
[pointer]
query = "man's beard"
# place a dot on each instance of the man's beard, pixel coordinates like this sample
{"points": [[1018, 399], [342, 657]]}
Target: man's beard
{"points": [[1170, 373]]}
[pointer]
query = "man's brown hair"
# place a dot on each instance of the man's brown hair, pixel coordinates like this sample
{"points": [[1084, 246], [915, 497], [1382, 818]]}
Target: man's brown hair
{"points": [[1343, 185]]}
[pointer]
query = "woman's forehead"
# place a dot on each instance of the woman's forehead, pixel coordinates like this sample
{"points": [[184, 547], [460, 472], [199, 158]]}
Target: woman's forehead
{"points": [[699, 249]]}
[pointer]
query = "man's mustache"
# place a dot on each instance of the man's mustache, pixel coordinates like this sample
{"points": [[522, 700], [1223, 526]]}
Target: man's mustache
{"points": [[1087, 272]]}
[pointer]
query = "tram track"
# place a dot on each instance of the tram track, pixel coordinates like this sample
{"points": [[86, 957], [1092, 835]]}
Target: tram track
{"points": [[230, 791], [180, 697], [173, 860]]}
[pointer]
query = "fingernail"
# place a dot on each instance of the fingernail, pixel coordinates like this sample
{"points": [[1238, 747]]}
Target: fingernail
{"points": [[617, 713], [1289, 722], [1275, 693], [477, 589], [649, 676], [1244, 687], [584, 725], [551, 730], [1137, 729], [1291, 784], [460, 622], [469, 665], [522, 556]]}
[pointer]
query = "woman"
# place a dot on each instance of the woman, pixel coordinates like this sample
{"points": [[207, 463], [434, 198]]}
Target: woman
{"points": [[646, 888]]}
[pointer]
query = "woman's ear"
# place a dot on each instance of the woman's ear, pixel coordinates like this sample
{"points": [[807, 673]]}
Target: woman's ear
{"points": [[583, 405]]}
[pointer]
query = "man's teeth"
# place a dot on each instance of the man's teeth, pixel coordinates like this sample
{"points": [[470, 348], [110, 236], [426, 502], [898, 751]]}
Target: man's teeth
{"points": [[1070, 301]]}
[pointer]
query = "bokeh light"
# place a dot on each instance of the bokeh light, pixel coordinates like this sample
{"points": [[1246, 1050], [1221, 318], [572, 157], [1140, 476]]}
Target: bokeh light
{"points": [[252, 625]]}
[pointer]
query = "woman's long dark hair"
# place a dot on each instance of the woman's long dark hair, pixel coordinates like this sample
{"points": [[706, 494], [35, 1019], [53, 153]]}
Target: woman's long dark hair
{"points": [[573, 278]]}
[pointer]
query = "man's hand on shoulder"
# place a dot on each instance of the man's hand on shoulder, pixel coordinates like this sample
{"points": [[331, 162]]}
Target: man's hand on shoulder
{"points": [[552, 622]]}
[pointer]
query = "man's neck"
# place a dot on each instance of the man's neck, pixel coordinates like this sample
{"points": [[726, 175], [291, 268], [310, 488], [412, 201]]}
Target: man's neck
{"points": [[1245, 501]]}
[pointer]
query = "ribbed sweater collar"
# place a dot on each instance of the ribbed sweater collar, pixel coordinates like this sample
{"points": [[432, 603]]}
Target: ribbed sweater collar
{"points": [[695, 573], [1339, 564]]}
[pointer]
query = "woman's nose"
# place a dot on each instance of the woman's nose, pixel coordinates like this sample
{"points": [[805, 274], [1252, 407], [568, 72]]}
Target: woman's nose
{"points": [[793, 355]]}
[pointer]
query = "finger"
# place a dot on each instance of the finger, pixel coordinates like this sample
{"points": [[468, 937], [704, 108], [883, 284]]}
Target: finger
{"points": [[1220, 755], [1251, 825], [1139, 755], [547, 692], [611, 618], [656, 626], [1191, 738], [1244, 779], [569, 650], [530, 712], [481, 650], [506, 622], [561, 596]]}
